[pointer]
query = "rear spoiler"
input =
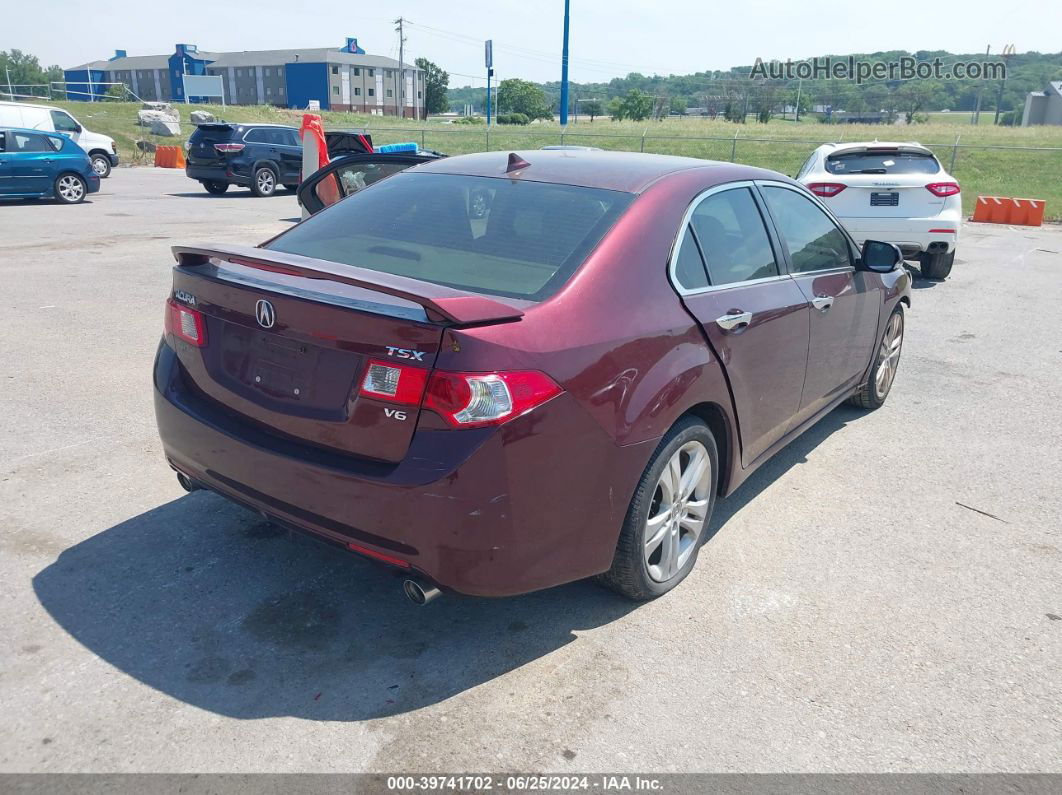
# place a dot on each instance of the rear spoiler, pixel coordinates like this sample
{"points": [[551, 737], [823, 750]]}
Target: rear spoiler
{"points": [[441, 304]]}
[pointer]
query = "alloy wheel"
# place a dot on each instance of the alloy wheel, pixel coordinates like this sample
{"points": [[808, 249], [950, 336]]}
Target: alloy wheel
{"points": [[678, 511], [266, 181], [100, 166], [71, 188], [889, 355]]}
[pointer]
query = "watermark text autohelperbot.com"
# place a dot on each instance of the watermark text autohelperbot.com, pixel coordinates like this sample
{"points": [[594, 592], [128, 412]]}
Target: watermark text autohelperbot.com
{"points": [[861, 71]]}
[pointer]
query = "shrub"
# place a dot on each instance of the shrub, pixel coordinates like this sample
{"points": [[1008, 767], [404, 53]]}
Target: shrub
{"points": [[513, 118]]}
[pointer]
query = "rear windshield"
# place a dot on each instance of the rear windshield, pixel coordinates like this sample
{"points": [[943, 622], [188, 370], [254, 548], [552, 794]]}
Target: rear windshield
{"points": [[208, 133], [487, 235], [882, 163]]}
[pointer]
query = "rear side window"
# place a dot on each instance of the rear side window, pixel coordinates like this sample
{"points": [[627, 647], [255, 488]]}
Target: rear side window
{"points": [[28, 142], [689, 267], [495, 236], [814, 241], [732, 237], [882, 163]]}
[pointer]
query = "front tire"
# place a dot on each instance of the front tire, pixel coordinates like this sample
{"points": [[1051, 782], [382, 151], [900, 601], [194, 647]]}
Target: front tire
{"points": [[936, 266], [668, 516], [264, 183], [101, 164], [215, 188], [70, 189], [872, 394]]}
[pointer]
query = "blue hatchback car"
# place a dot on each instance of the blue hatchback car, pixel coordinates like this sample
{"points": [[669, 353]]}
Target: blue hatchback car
{"points": [[35, 164]]}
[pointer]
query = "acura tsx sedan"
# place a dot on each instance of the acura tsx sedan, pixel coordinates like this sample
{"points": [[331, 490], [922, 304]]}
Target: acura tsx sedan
{"points": [[502, 372]]}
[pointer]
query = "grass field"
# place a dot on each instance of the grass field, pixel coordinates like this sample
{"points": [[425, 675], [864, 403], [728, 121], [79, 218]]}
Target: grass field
{"points": [[784, 145]]}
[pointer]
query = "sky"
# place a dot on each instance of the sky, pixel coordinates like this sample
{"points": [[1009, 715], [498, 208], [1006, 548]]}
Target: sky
{"points": [[609, 38]]}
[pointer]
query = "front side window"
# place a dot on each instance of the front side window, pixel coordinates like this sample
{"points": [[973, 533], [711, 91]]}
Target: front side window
{"points": [[495, 236], [62, 122], [814, 241], [733, 238]]}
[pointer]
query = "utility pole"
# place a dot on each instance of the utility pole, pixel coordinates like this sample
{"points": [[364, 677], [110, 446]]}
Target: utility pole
{"points": [[800, 86], [401, 67], [977, 110], [7, 72], [488, 59], [1008, 51], [564, 70]]}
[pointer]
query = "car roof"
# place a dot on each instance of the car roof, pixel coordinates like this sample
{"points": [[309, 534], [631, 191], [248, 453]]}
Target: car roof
{"points": [[631, 172], [49, 133], [29, 105]]}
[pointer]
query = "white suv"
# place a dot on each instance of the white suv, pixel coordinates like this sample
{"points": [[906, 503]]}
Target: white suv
{"points": [[896, 192], [101, 149]]}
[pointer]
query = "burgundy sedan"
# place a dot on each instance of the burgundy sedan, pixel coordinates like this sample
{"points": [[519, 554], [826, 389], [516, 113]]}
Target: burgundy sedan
{"points": [[502, 372]]}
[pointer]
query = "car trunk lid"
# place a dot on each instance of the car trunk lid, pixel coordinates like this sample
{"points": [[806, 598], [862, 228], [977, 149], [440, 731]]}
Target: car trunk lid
{"points": [[885, 182], [201, 151], [290, 339]]}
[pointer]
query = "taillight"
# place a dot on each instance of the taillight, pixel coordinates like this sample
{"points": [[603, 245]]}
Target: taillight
{"points": [[943, 188], [185, 323], [826, 189], [228, 148], [473, 400], [394, 383]]}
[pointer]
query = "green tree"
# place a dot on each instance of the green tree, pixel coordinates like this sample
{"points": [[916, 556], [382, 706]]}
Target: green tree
{"points": [[592, 108], [24, 70], [522, 96], [678, 105], [436, 83], [636, 106]]}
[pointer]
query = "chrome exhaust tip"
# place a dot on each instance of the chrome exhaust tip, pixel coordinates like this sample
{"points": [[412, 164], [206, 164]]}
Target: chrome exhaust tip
{"points": [[187, 483], [420, 593]]}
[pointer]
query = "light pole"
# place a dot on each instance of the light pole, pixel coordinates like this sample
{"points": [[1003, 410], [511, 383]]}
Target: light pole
{"points": [[564, 71]]}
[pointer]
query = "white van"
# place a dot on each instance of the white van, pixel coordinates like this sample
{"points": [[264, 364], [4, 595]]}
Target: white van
{"points": [[101, 149]]}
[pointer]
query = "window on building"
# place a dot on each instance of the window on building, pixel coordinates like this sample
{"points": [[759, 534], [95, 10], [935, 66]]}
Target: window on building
{"points": [[390, 93], [357, 71], [335, 90], [269, 91], [372, 92], [420, 95], [372, 73], [335, 70], [357, 91], [387, 73]]}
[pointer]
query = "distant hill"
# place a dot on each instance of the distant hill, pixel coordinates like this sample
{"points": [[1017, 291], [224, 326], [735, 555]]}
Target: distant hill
{"points": [[1026, 72]]}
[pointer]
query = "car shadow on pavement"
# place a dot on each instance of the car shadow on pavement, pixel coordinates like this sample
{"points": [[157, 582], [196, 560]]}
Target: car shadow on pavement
{"points": [[238, 193], [207, 603]]}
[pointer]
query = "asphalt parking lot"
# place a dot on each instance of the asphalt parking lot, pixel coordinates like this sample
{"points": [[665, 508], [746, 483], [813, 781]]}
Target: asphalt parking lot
{"points": [[885, 595]]}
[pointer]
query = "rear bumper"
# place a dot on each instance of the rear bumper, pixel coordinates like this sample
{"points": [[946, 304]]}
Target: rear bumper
{"points": [[215, 174], [912, 235], [92, 182], [487, 512]]}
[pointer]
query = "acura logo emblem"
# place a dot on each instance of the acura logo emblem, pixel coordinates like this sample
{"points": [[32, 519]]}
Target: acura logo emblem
{"points": [[265, 314]]}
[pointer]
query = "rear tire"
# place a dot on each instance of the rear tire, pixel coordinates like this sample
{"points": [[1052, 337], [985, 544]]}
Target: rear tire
{"points": [[101, 164], [669, 514], [936, 266], [70, 189], [872, 394], [264, 183], [216, 188]]}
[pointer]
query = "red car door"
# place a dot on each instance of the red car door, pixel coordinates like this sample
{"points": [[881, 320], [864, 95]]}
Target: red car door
{"points": [[844, 302], [731, 278]]}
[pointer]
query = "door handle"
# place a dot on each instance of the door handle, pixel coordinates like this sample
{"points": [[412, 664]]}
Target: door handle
{"points": [[733, 320], [822, 302]]}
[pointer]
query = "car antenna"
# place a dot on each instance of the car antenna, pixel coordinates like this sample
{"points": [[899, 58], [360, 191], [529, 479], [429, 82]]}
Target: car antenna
{"points": [[515, 163]]}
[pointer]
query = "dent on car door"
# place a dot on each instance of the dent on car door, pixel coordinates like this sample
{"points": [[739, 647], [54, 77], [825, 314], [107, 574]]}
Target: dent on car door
{"points": [[349, 175], [729, 272], [844, 302]]}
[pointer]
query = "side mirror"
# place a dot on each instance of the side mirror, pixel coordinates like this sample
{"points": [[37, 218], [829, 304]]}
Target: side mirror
{"points": [[881, 257]]}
